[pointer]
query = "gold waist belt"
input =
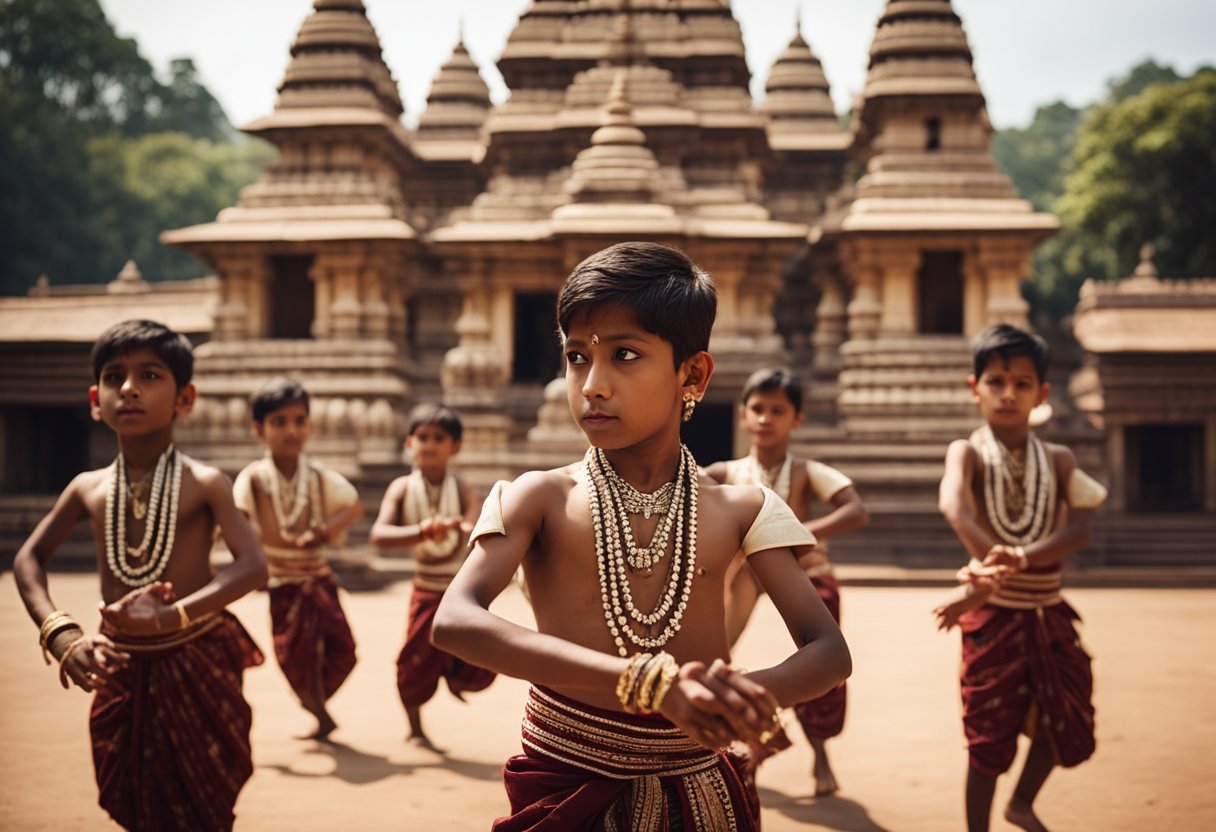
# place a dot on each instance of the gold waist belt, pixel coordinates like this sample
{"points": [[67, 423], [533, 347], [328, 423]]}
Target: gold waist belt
{"points": [[155, 644], [614, 745], [295, 565], [1028, 590]]}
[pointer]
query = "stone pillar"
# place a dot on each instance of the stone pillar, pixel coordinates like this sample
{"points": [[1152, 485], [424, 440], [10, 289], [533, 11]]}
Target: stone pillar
{"points": [[346, 303], [241, 314], [474, 373], [899, 292], [829, 328], [1004, 266], [373, 292], [323, 293], [502, 325], [865, 309], [975, 295]]}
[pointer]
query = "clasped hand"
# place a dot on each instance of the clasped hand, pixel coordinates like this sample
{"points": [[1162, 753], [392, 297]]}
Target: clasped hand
{"points": [[145, 611], [718, 704]]}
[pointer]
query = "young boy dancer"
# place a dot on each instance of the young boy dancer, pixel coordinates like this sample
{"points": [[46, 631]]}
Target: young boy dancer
{"points": [[431, 511], [297, 506], [1020, 506], [770, 409], [169, 726], [625, 559]]}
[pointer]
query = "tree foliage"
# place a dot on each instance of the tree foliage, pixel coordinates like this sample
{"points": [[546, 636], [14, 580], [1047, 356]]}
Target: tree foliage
{"points": [[97, 155], [1137, 167]]}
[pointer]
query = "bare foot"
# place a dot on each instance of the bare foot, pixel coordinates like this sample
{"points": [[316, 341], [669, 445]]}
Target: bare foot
{"points": [[325, 727], [825, 781], [421, 740], [1023, 816]]}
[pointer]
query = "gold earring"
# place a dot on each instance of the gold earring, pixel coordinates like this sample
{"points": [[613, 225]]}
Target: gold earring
{"points": [[690, 404], [595, 339]]}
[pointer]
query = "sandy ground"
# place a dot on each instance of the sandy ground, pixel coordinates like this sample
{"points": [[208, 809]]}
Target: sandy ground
{"points": [[900, 761]]}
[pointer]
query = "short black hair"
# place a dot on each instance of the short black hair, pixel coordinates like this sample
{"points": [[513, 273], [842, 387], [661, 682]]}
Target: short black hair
{"points": [[430, 413], [169, 346], [1007, 341], [278, 392], [670, 295], [768, 379]]}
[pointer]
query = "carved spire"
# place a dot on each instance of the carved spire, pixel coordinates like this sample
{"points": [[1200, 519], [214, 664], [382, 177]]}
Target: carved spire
{"points": [[796, 92], [459, 99], [617, 166], [336, 62]]}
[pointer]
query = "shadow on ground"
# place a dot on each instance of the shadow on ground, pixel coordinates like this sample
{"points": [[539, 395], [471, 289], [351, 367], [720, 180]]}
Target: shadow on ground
{"points": [[835, 812]]}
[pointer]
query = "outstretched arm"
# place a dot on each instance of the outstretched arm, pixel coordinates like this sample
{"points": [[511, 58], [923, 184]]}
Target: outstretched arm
{"points": [[86, 660], [822, 660], [954, 499]]}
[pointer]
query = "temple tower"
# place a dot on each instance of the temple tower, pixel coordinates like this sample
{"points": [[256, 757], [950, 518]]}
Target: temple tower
{"points": [[315, 259], [932, 244]]}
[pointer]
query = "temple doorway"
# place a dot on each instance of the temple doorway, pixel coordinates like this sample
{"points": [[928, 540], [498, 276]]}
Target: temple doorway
{"points": [[537, 354], [710, 434], [939, 286], [293, 303], [1165, 467]]}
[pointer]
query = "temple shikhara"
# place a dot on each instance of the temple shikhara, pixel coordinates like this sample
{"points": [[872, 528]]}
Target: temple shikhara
{"points": [[384, 266]]}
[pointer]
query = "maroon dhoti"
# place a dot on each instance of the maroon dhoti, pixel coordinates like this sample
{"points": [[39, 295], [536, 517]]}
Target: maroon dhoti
{"points": [[312, 639], [1025, 668], [824, 717], [421, 665], [586, 768], [170, 731]]}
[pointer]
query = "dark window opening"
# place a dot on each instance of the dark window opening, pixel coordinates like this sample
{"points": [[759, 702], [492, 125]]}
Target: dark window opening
{"points": [[44, 448], [292, 303], [710, 434], [538, 353], [939, 290], [1165, 467], [933, 134]]}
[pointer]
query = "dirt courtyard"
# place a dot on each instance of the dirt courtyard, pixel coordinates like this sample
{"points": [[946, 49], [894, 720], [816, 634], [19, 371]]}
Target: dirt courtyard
{"points": [[900, 761]]}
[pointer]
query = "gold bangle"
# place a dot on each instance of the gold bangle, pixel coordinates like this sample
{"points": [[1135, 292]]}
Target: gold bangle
{"points": [[666, 679], [51, 626], [628, 680], [63, 667], [182, 616], [644, 700]]}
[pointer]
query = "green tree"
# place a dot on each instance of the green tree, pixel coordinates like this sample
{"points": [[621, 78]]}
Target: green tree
{"points": [[1035, 157], [75, 200], [1144, 170]]}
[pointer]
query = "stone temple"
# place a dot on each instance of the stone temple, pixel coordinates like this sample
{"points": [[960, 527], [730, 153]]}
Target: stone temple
{"points": [[385, 266]]}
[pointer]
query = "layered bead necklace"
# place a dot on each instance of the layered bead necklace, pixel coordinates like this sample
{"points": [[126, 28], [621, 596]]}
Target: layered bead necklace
{"points": [[140, 565], [612, 500], [421, 505], [778, 479], [1019, 498], [303, 487]]}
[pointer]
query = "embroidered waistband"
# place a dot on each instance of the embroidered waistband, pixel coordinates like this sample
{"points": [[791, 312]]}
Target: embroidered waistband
{"points": [[1028, 590], [155, 644], [617, 745], [295, 565]]}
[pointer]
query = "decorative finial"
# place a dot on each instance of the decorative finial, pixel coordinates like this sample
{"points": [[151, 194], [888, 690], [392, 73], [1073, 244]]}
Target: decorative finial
{"points": [[798, 19], [460, 30], [1146, 267]]}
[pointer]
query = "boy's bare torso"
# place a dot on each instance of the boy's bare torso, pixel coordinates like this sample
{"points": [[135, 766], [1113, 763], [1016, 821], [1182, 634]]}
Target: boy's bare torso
{"points": [[189, 566], [1062, 464], [563, 575]]}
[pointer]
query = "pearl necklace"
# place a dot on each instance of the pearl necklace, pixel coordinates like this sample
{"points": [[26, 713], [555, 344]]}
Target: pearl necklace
{"points": [[418, 506], [624, 499], [610, 555], [307, 493], [1019, 499], [780, 482], [160, 527]]}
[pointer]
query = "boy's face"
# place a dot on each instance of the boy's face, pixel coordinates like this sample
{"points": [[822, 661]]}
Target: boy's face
{"points": [[285, 430], [1008, 390], [431, 447], [136, 394], [769, 418], [621, 384]]}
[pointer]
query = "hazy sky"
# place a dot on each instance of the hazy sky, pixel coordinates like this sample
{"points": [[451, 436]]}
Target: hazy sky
{"points": [[1027, 52]]}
